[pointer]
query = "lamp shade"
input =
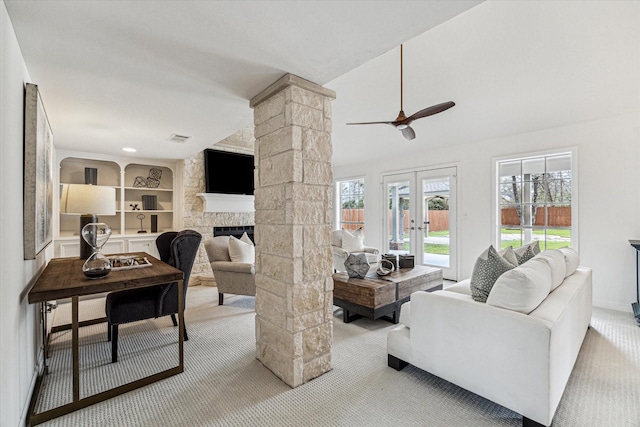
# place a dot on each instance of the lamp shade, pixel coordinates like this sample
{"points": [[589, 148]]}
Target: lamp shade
{"points": [[88, 199]]}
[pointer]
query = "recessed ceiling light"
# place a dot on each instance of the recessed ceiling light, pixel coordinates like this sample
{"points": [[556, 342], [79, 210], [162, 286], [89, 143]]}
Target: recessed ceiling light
{"points": [[129, 150]]}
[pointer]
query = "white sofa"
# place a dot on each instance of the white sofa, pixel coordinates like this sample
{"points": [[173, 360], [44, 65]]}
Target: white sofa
{"points": [[518, 360]]}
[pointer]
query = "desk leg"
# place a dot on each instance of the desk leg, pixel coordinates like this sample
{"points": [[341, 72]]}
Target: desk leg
{"points": [[75, 338], [181, 323]]}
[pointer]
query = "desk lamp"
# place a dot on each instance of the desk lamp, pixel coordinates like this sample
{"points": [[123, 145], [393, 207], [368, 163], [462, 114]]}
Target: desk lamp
{"points": [[89, 201]]}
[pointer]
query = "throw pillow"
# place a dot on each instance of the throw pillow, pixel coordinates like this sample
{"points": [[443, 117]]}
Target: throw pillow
{"points": [[526, 252], [488, 267], [523, 288], [240, 251], [245, 238], [571, 259], [352, 242], [555, 259], [509, 254]]}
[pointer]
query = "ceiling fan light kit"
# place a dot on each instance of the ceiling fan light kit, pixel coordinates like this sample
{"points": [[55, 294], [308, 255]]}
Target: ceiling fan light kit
{"points": [[402, 122]]}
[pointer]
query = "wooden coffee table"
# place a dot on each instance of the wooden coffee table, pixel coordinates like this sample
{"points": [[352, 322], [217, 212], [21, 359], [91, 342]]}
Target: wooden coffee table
{"points": [[381, 296]]}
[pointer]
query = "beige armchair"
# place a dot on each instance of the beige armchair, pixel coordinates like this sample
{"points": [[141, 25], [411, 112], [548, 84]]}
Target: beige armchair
{"points": [[231, 277], [341, 250]]}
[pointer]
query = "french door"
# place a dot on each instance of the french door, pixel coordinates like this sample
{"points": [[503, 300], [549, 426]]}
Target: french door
{"points": [[421, 217]]}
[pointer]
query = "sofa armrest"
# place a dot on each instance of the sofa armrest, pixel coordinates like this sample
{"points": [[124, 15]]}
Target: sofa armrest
{"points": [[233, 267], [337, 251], [371, 250]]}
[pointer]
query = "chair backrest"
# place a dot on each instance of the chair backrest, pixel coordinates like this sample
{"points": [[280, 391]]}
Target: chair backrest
{"points": [[184, 249], [163, 243], [336, 238], [178, 249], [218, 248]]}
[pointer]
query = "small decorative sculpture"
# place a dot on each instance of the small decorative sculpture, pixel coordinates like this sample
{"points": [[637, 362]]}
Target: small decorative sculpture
{"points": [[140, 182], [141, 217], [357, 266], [385, 267], [153, 180]]}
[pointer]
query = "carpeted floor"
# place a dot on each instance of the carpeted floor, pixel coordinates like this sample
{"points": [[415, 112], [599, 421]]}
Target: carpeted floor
{"points": [[224, 385]]}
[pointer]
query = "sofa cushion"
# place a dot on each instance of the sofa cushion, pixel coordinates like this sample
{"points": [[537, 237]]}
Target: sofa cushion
{"points": [[509, 254], [462, 287], [522, 288], [488, 267], [571, 259], [555, 259], [240, 251], [352, 242]]}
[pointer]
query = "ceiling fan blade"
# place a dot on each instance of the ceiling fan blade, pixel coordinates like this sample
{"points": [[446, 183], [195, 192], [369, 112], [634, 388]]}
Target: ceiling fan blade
{"points": [[408, 133], [371, 123], [434, 109]]}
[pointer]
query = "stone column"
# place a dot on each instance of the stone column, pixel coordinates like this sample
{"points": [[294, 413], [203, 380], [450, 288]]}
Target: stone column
{"points": [[293, 201]]}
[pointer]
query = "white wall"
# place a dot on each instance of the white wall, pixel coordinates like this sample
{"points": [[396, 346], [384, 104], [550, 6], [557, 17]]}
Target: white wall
{"points": [[608, 198], [20, 348]]}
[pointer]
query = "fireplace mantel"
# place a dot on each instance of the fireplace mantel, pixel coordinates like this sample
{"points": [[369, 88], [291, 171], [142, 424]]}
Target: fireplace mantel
{"points": [[216, 202]]}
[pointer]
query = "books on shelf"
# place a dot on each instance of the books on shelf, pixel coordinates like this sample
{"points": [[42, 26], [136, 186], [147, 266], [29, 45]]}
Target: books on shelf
{"points": [[150, 203]]}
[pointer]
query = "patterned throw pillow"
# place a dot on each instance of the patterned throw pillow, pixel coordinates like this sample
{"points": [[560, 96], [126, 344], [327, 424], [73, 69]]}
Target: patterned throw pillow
{"points": [[525, 253], [509, 254], [489, 266]]}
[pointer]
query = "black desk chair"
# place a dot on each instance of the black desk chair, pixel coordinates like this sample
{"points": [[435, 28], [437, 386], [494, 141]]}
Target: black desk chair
{"points": [[178, 249]]}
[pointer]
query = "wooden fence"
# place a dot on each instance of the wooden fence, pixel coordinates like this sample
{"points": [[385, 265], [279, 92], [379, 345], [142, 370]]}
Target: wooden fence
{"points": [[352, 219], [556, 216]]}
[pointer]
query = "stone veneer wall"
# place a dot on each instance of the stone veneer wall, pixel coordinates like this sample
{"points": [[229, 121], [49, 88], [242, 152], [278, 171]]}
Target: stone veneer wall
{"points": [[194, 216], [294, 287]]}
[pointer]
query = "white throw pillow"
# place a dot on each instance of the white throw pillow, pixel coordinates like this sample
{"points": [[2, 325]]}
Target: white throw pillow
{"points": [[571, 259], [352, 242], [555, 259], [240, 251], [245, 238], [523, 288]]}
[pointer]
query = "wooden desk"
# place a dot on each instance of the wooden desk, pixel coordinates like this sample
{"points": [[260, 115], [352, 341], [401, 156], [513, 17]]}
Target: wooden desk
{"points": [[63, 278]]}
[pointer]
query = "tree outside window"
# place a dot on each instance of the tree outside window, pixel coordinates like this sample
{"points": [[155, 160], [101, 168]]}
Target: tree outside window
{"points": [[535, 201]]}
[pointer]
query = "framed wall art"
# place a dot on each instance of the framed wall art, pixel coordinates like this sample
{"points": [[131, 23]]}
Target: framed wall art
{"points": [[38, 175]]}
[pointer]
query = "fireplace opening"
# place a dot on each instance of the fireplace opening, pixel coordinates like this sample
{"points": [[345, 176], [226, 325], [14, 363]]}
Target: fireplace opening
{"points": [[236, 231]]}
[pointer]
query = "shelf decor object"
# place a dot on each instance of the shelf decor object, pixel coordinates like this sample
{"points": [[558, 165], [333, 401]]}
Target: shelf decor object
{"points": [[91, 176], [96, 235], [38, 175], [89, 201], [149, 203], [141, 217]]}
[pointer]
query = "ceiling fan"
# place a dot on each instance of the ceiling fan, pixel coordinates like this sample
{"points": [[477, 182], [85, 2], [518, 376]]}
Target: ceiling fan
{"points": [[402, 122]]}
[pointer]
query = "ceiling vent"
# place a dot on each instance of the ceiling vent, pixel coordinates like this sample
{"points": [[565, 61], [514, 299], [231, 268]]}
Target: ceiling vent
{"points": [[180, 139]]}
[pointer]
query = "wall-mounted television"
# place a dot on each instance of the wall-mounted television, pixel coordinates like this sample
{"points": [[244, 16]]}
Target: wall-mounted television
{"points": [[228, 173]]}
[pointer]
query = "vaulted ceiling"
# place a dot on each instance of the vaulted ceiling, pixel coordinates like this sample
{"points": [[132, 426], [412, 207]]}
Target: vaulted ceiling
{"points": [[132, 73]]}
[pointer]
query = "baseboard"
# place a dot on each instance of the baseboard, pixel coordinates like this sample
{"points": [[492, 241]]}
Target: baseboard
{"points": [[37, 372], [612, 305]]}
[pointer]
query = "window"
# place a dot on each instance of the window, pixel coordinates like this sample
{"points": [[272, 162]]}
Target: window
{"points": [[535, 201], [350, 204]]}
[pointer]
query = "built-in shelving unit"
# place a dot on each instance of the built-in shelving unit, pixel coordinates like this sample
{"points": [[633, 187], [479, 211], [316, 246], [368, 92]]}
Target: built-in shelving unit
{"points": [[132, 181]]}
